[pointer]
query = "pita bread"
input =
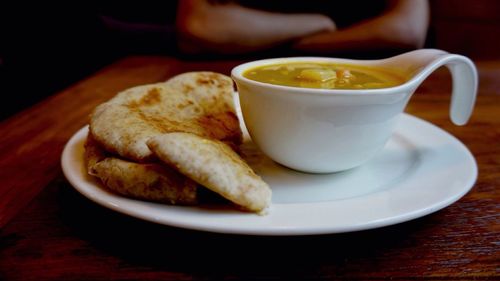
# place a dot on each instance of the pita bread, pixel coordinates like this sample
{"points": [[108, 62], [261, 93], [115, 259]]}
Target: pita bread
{"points": [[196, 102], [153, 182], [214, 165]]}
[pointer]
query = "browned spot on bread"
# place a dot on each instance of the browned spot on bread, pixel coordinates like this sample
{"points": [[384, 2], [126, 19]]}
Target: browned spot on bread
{"points": [[212, 79], [186, 89], [152, 97], [162, 124], [185, 104], [223, 126]]}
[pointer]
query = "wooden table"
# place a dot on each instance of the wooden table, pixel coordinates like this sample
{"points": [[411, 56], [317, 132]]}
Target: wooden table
{"points": [[49, 231]]}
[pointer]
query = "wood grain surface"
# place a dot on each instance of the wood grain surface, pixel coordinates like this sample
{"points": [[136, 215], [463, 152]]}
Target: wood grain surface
{"points": [[50, 232]]}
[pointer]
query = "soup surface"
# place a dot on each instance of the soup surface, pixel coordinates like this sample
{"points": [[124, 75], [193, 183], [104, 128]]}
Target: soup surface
{"points": [[324, 76]]}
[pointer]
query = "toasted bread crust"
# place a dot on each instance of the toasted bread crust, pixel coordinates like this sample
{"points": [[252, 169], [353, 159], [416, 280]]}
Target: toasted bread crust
{"points": [[189, 123], [153, 182], [214, 165], [196, 102]]}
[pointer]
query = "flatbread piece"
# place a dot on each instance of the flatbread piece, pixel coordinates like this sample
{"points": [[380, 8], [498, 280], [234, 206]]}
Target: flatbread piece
{"points": [[214, 165]]}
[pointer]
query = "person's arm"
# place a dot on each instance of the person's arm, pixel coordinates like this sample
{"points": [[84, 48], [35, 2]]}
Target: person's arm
{"points": [[226, 27], [402, 26]]}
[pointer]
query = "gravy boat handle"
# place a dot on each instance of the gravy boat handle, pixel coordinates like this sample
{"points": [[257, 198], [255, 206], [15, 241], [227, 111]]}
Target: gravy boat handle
{"points": [[420, 64]]}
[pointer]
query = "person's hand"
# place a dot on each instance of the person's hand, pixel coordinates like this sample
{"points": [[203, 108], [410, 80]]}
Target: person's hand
{"points": [[231, 28], [359, 38], [378, 34], [317, 23], [404, 26]]}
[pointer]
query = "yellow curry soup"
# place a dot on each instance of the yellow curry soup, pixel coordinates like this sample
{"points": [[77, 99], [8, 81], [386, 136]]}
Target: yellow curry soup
{"points": [[324, 76]]}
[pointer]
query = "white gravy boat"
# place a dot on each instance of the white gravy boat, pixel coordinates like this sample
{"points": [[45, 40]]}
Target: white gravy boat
{"points": [[323, 131]]}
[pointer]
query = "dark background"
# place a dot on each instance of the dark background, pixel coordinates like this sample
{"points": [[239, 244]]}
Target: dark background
{"points": [[47, 47]]}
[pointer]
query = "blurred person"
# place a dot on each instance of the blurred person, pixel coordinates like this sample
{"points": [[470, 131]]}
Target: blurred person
{"points": [[322, 27]]}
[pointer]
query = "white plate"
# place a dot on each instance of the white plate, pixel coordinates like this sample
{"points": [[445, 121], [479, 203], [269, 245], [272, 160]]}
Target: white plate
{"points": [[422, 169]]}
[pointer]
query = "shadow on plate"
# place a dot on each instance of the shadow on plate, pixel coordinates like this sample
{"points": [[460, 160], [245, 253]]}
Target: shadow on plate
{"points": [[161, 247]]}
